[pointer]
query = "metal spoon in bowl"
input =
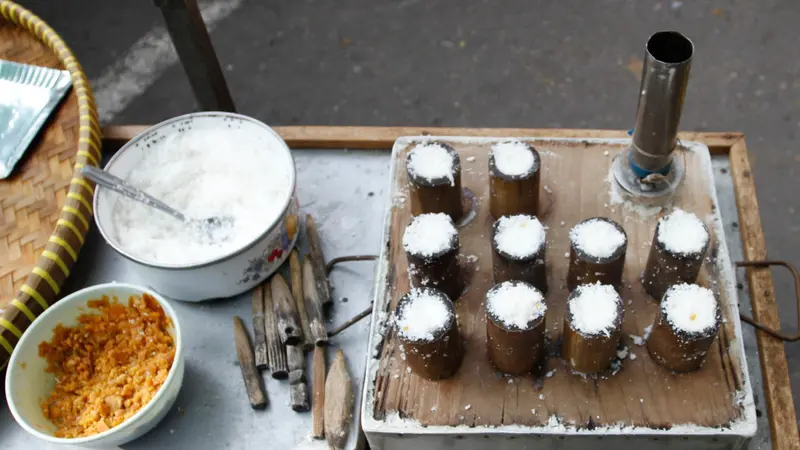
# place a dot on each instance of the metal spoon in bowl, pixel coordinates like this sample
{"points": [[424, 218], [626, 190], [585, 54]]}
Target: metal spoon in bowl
{"points": [[210, 225]]}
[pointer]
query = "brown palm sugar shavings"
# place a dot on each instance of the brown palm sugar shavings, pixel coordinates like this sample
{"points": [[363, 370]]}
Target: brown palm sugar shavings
{"points": [[108, 366]]}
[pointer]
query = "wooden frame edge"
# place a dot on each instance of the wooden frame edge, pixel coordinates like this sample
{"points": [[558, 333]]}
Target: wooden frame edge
{"points": [[382, 138], [774, 366]]}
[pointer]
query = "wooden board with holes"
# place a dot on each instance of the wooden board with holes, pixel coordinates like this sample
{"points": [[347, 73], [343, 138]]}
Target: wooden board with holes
{"points": [[716, 400]]}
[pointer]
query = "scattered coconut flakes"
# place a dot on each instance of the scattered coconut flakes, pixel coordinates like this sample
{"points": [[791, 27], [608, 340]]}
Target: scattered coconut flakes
{"points": [[647, 330], [682, 232], [429, 234], [541, 396], [594, 309], [431, 161], [515, 304], [632, 356], [470, 158], [622, 353], [533, 411], [597, 238], [605, 153], [466, 408], [423, 315], [433, 408], [520, 235], [566, 254], [551, 373], [638, 340], [690, 307], [513, 158]]}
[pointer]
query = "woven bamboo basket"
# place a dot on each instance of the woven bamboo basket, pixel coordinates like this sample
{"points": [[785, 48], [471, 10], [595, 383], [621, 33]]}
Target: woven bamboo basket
{"points": [[46, 205]]}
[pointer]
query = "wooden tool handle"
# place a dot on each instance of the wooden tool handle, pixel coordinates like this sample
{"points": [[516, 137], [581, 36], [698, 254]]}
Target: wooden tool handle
{"points": [[338, 403], [252, 380], [296, 272], [318, 261], [259, 331], [276, 356], [316, 324], [289, 328], [318, 401]]}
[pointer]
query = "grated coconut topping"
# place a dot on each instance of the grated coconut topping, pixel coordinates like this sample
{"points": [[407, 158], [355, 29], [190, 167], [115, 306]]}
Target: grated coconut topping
{"points": [[431, 161], [422, 316], [515, 304], [519, 235], [594, 309], [429, 234], [597, 238], [690, 308], [513, 158], [682, 232]]}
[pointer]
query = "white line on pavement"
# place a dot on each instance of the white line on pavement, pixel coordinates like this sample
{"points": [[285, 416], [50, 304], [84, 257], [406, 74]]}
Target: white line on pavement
{"points": [[135, 71]]}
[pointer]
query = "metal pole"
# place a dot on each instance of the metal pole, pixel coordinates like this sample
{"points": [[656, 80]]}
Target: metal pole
{"points": [[196, 52]]}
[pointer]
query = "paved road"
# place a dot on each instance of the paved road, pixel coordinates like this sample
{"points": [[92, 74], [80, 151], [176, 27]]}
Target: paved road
{"points": [[518, 63]]}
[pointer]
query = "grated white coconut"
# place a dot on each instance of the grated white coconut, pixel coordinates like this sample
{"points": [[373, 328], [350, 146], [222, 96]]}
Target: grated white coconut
{"points": [[422, 316], [690, 308], [594, 309], [682, 232], [597, 238], [515, 304], [513, 158], [428, 234], [432, 161], [519, 235], [203, 173]]}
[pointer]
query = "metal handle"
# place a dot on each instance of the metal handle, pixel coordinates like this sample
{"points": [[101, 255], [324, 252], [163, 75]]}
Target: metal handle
{"points": [[119, 185], [770, 331]]}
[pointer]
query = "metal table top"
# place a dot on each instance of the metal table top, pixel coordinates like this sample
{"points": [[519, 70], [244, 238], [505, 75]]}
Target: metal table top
{"points": [[346, 191]]}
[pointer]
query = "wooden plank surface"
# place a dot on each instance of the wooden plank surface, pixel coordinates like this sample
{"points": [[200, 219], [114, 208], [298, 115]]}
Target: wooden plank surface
{"points": [[775, 370], [384, 137], [573, 188]]}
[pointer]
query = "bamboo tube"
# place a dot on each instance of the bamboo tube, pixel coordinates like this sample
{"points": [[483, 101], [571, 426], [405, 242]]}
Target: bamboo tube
{"points": [[259, 336], [276, 355], [530, 268], [296, 272], [437, 195], [585, 268], [318, 401], [514, 194], [666, 267], [439, 356], [252, 380], [513, 349], [590, 351], [318, 262], [678, 349], [338, 403], [289, 328], [316, 324], [438, 270]]}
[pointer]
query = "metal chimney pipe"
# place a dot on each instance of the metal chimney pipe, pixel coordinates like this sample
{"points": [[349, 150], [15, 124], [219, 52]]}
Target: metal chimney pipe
{"points": [[668, 58]]}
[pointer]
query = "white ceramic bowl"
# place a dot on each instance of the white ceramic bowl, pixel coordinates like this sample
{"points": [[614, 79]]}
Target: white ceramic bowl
{"points": [[27, 383], [234, 273]]}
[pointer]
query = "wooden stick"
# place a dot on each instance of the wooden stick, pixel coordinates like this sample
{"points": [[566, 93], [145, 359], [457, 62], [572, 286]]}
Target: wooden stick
{"points": [[318, 262], [338, 403], [316, 321], [298, 390], [318, 402], [259, 336], [252, 380], [289, 329], [296, 272], [276, 356]]}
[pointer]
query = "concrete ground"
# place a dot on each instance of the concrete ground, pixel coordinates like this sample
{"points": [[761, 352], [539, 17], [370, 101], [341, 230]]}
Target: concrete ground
{"points": [[518, 63]]}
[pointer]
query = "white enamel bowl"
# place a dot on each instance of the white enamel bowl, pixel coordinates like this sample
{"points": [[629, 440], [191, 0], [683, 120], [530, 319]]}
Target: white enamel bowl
{"points": [[27, 383], [241, 269]]}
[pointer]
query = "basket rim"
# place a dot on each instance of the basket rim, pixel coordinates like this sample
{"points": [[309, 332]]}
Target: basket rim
{"points": [[87, 151]]}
